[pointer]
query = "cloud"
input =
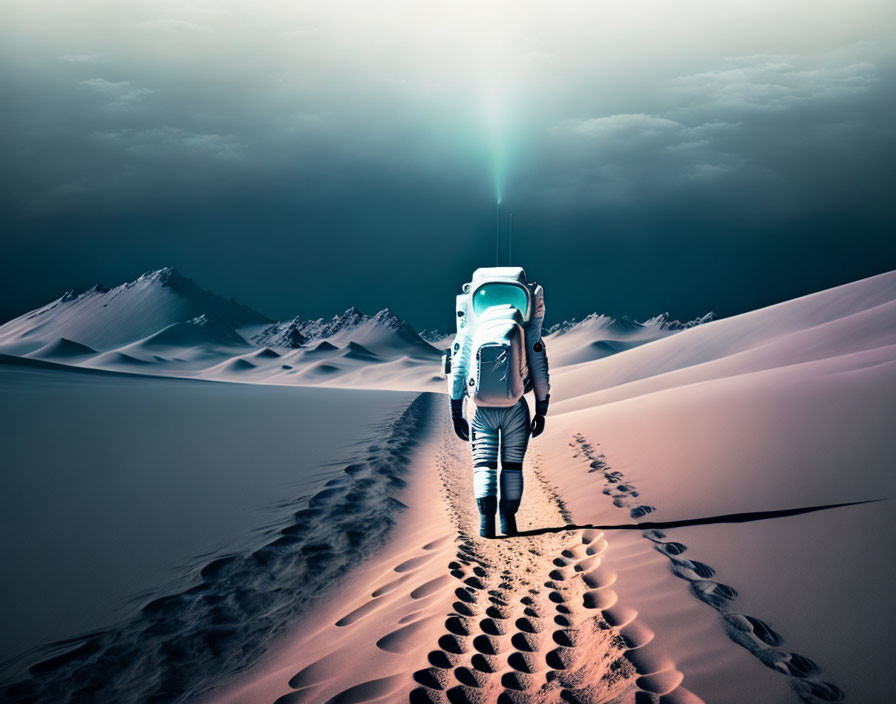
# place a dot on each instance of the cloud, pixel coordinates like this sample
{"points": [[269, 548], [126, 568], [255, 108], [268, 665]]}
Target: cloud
{"points": [[773, 83], [80, 58], [174, 140], [630, 126], [121, 94]]}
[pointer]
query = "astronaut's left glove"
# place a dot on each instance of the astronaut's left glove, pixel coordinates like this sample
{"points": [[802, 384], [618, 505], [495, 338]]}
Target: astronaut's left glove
{"points": [[461, 427], [541, 409]]}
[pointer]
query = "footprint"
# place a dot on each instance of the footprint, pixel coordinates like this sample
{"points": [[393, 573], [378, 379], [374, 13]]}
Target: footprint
{"points": [[564, 637], [824, 691], [431, 677], [641, 511], [516, 681], [524, 642], [440, 659], [648, 659], [401, 640], [430, 587], [764, 632], [574, 553], [388, 586], [421, 695], [486, 645], [597, 547], [452, 644], [599, 599], [591, 535], [457, 626], [715, 594], [372, 689], [522, 662], [459, 695], [680, 695], [587, 564], [692, 570], [528, 626], [796, 665], [671, 548], [619, 616], [660, 682], [465, 595], [358, 614], [599, 577], [412, 563], [496, 612], [483, 663], [492, 627], [636, 634], [317, 672], [474, 582], [462, 609], [470, 678], [559, 658], [437, 543]]}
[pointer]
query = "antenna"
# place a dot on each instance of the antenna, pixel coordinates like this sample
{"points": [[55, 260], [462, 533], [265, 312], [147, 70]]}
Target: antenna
{"points": [[510, 248]]}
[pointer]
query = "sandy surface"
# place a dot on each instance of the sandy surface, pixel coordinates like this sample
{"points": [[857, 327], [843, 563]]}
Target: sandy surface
{"points": [[706, 518], [443, 615]]}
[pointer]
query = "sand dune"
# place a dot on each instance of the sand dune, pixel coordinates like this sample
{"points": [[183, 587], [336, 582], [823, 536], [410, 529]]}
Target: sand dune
{"points": [[706, 518], [63, 349]]}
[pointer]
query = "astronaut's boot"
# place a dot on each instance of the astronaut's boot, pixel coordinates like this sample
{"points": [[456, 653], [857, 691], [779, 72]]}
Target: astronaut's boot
{"points": [[508, 517], [487, 507]]}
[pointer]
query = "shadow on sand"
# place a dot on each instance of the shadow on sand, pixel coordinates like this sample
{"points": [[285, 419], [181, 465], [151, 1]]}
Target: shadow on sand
{"points": [[704, 521]]}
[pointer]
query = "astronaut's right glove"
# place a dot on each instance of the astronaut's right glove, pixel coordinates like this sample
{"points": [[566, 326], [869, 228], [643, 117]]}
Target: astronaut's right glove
{"points": [[461, 427], [541, 409]]}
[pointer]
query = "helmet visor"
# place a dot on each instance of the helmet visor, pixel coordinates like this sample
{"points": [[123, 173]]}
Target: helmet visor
{"points": [[498, 294]]}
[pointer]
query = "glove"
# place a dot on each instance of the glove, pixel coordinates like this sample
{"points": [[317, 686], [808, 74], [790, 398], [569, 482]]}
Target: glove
{"points": [[541, 409], [461, 427]]}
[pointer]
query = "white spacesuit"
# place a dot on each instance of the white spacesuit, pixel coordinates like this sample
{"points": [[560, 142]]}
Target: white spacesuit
{"points": [[497, 356]]}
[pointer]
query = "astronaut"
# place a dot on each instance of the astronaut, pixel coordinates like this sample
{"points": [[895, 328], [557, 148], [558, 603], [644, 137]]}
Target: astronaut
{"points": [[497, 356]]}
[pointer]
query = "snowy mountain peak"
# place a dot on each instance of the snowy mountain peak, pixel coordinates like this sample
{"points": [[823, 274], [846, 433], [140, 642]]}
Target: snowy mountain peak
{"points": [[165, 276], [383, 331], [665, 322], [624, 324], [389, 319]]}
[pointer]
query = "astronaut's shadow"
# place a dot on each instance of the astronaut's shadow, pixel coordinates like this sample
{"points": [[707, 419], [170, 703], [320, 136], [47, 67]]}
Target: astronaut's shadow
{"points": [[703, 521]]}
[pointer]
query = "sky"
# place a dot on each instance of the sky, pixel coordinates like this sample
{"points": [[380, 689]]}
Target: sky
{"points": [[304, 157]]}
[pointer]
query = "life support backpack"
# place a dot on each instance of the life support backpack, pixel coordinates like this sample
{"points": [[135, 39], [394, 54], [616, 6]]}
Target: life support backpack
{"points": [[498, 366]]}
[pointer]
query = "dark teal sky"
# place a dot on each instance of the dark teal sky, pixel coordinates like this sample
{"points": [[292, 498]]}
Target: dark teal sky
{"points": [[656, 156]]}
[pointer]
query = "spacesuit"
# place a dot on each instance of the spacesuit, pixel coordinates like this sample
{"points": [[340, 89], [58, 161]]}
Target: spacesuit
{"points": [[499, 298]]}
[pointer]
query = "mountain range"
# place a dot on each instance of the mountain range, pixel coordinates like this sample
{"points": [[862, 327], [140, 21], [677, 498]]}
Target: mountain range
{"points": [[164, 323]]}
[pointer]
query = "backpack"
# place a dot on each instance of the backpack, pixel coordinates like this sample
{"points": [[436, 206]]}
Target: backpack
{"points": [[498, 367]]}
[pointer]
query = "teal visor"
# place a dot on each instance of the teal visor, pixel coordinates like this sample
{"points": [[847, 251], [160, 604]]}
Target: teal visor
{"points": [[496, 294]]}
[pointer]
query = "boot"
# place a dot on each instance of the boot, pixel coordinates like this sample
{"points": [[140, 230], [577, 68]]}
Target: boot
{"points": [[508, 518], [487, 507]]}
